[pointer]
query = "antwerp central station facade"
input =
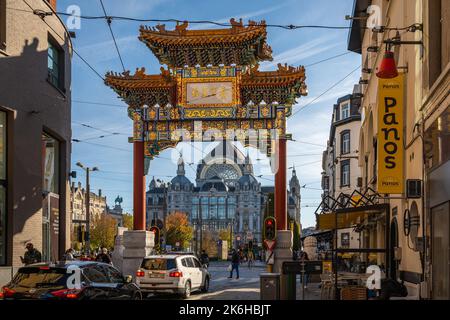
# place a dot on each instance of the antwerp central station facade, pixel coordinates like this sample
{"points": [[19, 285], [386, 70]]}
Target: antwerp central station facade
{"points": [[226, 195]]}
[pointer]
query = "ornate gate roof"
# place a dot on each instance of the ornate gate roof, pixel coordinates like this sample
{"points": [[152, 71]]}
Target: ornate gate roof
{"points": [[240, 45]]}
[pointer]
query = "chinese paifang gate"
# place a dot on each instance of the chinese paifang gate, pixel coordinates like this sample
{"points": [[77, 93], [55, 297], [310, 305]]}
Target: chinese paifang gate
{"points": [[212, 79]]}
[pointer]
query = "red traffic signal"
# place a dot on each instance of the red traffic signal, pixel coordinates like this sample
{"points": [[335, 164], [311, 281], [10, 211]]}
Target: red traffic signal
{"points": [[270, 228]]}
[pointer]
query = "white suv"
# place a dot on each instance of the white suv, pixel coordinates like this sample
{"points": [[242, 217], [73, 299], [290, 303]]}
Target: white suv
{"points": [[172, 273]]}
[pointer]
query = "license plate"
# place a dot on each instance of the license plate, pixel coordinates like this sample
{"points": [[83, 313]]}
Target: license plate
{"points": [[156, 275]]}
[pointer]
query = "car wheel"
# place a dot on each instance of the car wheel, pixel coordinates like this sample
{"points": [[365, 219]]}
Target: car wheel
{"points": [[137, 296], [187, 290], [205, 287]]}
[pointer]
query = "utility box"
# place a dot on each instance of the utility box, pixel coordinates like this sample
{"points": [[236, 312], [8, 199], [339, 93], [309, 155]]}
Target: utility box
{"points": [[270, 286]]}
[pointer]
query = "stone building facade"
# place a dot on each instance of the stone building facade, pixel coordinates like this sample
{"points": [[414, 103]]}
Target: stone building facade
{"points": [[97, 206], [226, 195], [341, 173], [419, 224]]}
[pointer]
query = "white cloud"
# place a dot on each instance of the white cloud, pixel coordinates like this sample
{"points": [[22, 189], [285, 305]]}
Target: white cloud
{"points": [[301, 52]]}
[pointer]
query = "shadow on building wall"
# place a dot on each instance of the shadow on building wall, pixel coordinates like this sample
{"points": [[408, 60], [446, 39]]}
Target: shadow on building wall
{"points": [[28, 99]]}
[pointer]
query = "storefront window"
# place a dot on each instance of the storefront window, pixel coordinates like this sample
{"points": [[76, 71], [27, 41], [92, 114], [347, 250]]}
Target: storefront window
{"points": [[50, 205], [2, 188], [437, 141]]}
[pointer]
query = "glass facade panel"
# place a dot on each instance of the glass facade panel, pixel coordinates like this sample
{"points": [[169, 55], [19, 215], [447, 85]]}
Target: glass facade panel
{"points": [[51, 164], [53, 65], [221, 211], [345, 111]]}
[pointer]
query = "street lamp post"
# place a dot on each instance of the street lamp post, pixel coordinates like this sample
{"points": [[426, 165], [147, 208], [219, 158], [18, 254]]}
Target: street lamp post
{"points": [[88, 204], [164, 209], [201, 224]]}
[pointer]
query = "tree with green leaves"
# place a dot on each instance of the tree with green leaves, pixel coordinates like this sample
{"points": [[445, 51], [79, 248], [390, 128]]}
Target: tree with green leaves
{"points": [[103, 231], [128, 221], [178, 229]]}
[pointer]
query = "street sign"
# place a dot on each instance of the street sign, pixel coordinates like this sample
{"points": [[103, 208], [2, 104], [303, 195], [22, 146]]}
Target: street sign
{"points": [[270, 244]]}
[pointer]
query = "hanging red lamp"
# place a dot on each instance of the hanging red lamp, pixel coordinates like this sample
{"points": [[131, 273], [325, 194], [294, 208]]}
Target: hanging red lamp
{"points": [[387, 69]]}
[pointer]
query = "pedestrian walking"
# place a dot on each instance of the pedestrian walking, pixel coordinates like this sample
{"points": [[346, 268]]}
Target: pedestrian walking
{"points": [[251, 258], [104, 257], [204, 258], [32, 255], [234, 264]]}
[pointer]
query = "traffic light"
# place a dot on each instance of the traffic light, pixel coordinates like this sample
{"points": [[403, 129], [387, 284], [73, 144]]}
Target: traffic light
{"points": [[270, 228], [156, 231]]}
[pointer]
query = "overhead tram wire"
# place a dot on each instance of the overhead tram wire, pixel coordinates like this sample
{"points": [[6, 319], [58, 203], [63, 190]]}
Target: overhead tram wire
{"points": [[220, 24], [100, 104], [327, 59], [326, 91], [101, 145], [98, 129], [109, 21]]}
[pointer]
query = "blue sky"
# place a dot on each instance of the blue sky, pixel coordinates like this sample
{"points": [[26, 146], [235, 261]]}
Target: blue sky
{"points": [[310, 126]]}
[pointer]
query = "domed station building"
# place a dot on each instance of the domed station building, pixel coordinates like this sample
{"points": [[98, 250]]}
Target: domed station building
{"points": [[226, 194]]}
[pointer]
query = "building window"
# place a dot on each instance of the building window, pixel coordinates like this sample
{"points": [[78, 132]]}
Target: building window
{"points": [[345, 239], [2, 187], [55, 65], [326, 183], [438, 47], [204, 208], [345, 173], [345, 111], [345, 142]]}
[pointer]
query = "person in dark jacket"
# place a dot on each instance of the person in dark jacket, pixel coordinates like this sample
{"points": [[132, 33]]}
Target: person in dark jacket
{"points": [[204, 258], [234, 264], [103, 256], [32, 255]]}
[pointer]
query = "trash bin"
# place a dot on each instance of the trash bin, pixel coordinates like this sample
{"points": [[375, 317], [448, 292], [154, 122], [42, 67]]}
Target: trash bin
{"points": [[270, 286], [291, 281]]}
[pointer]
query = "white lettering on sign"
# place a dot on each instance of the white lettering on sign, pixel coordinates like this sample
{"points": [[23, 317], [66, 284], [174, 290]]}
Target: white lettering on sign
{"points": [[374, 280]]}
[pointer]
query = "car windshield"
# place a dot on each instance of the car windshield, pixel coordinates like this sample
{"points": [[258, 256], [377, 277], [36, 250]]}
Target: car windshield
{"points": [[158, 264], [37, 278]]}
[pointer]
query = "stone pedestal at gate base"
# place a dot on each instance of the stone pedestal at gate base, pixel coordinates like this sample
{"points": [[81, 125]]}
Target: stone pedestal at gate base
{"points": [[282, 252], [137, 245], [117, 254]]}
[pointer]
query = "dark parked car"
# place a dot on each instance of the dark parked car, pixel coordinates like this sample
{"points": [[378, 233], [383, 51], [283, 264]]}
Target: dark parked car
{"points": [[51, 280]]}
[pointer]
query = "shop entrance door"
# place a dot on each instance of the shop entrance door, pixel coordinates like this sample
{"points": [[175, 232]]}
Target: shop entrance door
{"points": [[440, 218], [393, 244]]}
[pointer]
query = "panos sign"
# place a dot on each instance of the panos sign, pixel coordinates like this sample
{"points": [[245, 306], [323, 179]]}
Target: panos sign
{"points": [[390, 135]]}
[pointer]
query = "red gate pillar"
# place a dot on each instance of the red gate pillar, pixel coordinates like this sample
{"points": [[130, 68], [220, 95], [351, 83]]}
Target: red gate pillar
{"points": [[280, 187], [138, 186]]}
